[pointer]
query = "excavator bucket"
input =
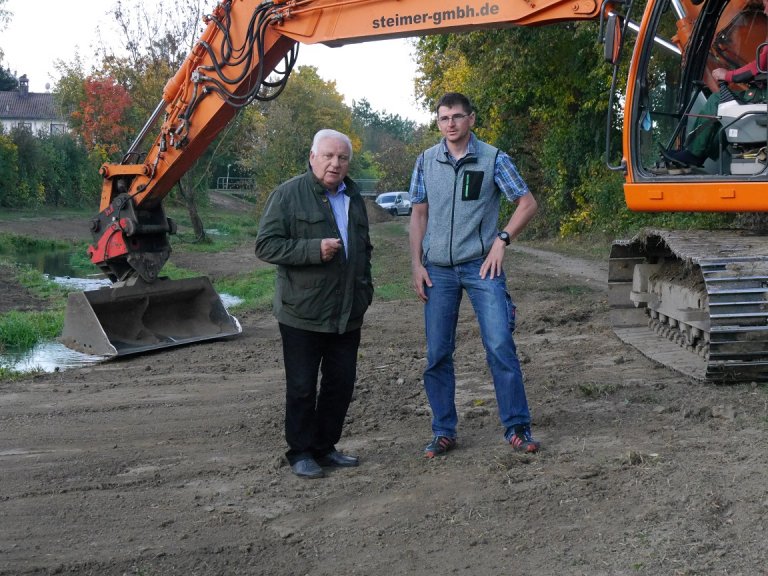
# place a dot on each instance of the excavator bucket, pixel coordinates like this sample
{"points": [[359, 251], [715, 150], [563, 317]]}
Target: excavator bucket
{"points": [[130, 319]]}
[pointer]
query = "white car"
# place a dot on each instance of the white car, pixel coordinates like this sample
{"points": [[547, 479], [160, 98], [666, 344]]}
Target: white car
{"points": [[396, 203]]}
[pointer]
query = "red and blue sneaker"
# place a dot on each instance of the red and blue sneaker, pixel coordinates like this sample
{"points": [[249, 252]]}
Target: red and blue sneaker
{"points": [[439, 445], [521, 440]]}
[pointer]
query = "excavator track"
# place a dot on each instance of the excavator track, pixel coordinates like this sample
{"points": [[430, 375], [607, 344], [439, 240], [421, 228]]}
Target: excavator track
{"points": [[695, 301]]}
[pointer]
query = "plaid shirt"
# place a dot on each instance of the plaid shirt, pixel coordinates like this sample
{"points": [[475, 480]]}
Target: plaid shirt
{"points": [[505, 174]]}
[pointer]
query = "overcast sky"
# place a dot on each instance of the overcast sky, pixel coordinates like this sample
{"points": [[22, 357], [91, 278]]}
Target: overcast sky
{"points": [[42, 31]]}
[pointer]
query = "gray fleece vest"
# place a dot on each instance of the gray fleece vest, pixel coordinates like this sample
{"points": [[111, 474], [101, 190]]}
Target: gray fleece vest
{"points": [[463, 205]]}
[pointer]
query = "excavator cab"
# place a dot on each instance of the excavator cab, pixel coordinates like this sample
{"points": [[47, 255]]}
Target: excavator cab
{"points": [[673, 102]]}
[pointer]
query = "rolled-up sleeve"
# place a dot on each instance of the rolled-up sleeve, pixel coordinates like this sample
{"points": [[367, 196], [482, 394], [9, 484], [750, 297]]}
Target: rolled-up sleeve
{"points": [[417, 191], [508, 179]]}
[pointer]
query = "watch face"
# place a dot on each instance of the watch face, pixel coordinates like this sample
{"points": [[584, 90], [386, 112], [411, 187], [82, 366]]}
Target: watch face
{"points": [[504, 236]]}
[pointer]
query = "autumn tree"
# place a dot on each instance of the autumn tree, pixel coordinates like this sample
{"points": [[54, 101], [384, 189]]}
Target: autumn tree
{"points": [[100, 116], [156, 41]]}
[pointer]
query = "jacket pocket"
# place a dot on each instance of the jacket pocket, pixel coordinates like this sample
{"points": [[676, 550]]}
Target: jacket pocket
{"points": [[304, 295], [310, 224]]}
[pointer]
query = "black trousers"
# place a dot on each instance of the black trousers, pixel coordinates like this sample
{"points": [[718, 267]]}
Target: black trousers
{"points": [[314, 418]]}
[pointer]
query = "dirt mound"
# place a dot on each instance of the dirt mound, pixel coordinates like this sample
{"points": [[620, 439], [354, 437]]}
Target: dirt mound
{"points": [[376, 213]]}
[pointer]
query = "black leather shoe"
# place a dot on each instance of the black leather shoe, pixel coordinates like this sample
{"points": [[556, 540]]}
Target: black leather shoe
{"points": [[337, 459], [307, 468]]}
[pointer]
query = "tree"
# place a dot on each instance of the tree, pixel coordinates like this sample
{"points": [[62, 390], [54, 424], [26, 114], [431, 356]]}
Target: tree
{"points": [[546, 107], [280, 132], [8, 80], [70, 90], [101, 115], [29, 192], [157, 43], [69, 176], [388, 138], [9, 171]]}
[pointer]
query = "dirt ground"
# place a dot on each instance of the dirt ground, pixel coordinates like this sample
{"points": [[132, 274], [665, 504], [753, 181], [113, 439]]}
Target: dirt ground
{"points": [[171, 463]]}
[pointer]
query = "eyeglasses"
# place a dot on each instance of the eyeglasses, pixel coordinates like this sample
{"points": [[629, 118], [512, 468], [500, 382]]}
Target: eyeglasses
{"points": [[456, 118]]}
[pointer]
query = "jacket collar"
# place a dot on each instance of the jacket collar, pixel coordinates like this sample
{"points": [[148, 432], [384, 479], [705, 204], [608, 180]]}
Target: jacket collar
{"points": [[347, 186]]}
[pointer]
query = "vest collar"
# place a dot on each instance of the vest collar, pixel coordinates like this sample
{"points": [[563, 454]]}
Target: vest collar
{"points": [[470, 158]]}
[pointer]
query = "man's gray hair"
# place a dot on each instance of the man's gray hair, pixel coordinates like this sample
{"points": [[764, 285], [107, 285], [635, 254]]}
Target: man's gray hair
{"points": [[335, 135]]}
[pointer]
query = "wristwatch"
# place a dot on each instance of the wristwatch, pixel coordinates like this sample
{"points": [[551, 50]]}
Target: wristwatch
{"points": [[505, 236]]}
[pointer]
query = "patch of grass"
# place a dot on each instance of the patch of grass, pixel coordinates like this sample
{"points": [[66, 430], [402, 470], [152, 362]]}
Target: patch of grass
{"points": [[391, 229], [256, 289], [39, 285], [587, 246], [176, 273], [574, 290], [224, 229], [391, 279], [20, 331], [595, 390], [8, 374], [11, 244]]}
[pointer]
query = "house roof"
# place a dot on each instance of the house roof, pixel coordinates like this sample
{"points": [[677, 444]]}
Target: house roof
{"points": [[29, 106]]}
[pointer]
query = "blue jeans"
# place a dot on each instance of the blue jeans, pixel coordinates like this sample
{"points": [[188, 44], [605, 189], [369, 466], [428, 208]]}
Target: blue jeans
{"points": [[495, 313]]}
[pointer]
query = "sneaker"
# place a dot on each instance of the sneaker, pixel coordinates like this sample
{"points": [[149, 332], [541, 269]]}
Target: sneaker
{"points": [[439, 445], [522, 441]]}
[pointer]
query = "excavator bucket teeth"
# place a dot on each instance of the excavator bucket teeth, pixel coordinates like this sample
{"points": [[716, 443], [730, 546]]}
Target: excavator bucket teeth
{"points": [[131, 319]]}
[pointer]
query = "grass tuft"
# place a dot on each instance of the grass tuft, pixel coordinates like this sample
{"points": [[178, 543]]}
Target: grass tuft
{"points": [[20, 331]]}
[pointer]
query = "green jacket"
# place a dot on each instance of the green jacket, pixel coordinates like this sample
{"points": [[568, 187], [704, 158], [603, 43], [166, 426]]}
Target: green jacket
{"points": [[311, 294]]}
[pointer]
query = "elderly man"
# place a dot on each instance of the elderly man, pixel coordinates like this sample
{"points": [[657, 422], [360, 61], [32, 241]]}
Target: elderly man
{"points": [[315, 228]]}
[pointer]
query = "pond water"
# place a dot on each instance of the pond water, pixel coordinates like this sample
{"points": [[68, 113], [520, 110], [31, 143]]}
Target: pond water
{"points": [[52, 356]]}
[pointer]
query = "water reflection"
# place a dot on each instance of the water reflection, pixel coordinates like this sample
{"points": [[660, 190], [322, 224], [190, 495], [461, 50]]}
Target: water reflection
{"points": [[52, 262], [48, 357]]}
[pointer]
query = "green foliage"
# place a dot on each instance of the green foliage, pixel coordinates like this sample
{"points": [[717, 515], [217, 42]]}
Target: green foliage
{"points": [[14, 244], [9, 171], [44, 169], [7, 80], [20, 331], [226, 229], [276, 146]]}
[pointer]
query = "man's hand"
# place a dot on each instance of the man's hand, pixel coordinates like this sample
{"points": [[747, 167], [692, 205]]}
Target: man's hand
{"points": [[719, 74], [420, 280], [328, 248], [493, 263]]}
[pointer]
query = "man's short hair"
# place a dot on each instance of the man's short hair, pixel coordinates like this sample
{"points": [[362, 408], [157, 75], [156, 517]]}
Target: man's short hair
{"points": [[451, 99], [332, 134]]}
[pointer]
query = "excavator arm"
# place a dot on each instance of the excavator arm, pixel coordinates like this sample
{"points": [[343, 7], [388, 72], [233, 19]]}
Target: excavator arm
{"points": [[233, 63]]}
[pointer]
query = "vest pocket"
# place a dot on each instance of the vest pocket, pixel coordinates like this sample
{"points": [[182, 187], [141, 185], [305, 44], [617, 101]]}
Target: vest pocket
{"points": [[471, 184]]}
